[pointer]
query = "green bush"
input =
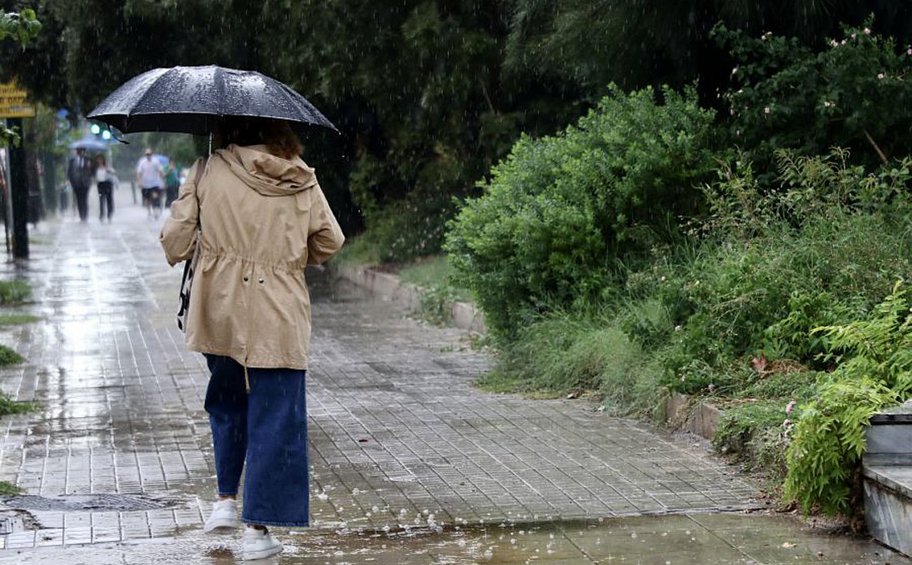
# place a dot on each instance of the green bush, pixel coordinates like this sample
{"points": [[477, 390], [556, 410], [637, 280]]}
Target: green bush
{"points": [[404, 230], [8, 356], [742, 422], [9, 406], [851, 93], [874, 370], [822, 248], [560, 215], [436, 304]]}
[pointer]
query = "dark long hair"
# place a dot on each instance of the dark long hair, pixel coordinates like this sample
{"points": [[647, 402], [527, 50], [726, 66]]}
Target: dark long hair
{"points": [[276, 135]]}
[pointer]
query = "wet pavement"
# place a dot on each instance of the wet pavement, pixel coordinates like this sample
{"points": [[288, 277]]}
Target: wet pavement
{"points": [[410, 463]]}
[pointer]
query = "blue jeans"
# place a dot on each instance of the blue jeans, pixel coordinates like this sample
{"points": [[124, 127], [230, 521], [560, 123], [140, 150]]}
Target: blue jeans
{"points": [[267, 428]]}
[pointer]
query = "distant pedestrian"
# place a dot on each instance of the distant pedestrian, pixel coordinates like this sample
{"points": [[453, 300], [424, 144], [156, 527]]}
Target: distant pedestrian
{"points": [[104, 181], [263, 218], [172, 183], [149, 175], [79, 173]]}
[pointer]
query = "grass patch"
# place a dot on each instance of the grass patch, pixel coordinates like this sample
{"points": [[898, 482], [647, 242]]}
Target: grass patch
{"points": [[14, 292], [17, 319], [360, 251], [9, 357], [433, 272], [432, 275], [10, 406], [499, 382], [568, 355], [9, 489]]}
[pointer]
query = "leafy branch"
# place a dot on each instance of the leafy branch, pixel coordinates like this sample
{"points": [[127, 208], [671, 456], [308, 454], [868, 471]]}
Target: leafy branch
{"points": [[21, 27]]}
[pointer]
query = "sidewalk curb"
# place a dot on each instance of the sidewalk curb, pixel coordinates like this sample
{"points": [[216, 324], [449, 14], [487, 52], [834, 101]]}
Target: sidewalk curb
{"points": [[391, 288], [681, 411], [685, 412]]}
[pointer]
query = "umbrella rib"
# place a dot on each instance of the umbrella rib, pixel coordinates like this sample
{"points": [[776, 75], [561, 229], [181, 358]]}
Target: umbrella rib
{"points": [[290, 98]]}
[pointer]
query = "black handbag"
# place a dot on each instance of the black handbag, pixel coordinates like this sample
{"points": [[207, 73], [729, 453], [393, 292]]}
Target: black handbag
{"points": [[190, 265]]}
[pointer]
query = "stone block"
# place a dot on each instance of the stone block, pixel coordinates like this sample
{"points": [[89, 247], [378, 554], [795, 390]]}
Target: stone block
{"points": [[696, 417], [887, 471], [389, 287], [888, 512], [889, 438]]}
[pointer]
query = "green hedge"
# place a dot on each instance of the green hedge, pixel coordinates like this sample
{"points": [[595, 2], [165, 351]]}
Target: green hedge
{"points": [[561, 215]]}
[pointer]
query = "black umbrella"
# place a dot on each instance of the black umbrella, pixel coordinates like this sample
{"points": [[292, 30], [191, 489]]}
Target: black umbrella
{"points": [[191, 99]]}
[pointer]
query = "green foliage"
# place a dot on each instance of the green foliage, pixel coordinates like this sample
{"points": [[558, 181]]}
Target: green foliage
{"points": [[14, 292], [785, 384], [434, 270], [21, 27], [592, 43], [820, 248], [874, 370], [828, 442], [560, 214], [359, 250], [437, 304], [9, 489], [424, 105], [9, 406], [409, 228], [564, 354], [741, 422], [437, 293], [9, 357], [17, 319], [853, 93]]}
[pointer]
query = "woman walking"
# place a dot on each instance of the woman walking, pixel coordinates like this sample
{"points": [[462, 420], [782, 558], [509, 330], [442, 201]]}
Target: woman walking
{"points": [[104, 180], [262, 218]]}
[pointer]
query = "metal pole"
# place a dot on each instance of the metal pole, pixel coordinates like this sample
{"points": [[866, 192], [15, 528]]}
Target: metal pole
{"points": [[19, 193]]}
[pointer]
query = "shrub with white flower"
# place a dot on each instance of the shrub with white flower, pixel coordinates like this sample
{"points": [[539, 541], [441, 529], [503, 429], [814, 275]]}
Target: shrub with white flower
{"points": [[823, 98]]}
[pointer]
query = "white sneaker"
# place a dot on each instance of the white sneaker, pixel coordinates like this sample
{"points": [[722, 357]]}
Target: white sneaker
{"points": [[258, 544], [223, 518]]}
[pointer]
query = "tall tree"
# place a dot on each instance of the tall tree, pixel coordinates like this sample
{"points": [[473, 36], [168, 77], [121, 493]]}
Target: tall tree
{"points": [[635, 43]]}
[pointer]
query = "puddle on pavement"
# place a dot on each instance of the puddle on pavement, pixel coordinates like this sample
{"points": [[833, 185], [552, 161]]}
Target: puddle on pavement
{"points": [[681, 539], [83, 503]]}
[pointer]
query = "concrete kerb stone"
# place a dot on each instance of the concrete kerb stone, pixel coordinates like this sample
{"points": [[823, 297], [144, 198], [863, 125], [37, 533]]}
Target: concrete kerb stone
{"points": [[685, 412], [682, 412], [390, 287]]}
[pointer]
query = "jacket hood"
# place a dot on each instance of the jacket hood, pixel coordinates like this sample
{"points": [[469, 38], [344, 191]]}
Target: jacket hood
{"points": [[267, 174]]}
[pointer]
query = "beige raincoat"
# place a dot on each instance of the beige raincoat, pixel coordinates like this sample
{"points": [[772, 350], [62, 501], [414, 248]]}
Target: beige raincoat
{"points": [[263, 219]]}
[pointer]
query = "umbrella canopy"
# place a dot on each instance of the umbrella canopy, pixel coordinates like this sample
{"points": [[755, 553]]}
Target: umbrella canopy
{"points": [[191, 99], [90, 143]]}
